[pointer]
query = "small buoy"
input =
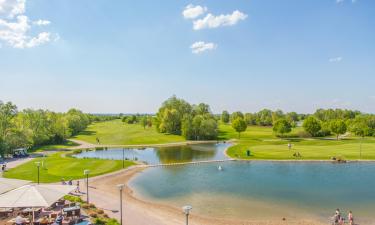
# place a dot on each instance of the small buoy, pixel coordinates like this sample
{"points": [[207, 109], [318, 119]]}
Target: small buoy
{"points": [[219, 168]]}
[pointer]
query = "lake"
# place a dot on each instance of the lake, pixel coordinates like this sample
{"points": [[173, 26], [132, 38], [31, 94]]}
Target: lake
{"points": [[250, 190], [261, 190]]}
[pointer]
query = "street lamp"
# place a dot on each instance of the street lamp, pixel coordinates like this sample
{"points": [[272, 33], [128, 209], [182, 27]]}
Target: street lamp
{"points": [[186, 209], [87, 172], [123, 158], [121, 187], [38, 166]]}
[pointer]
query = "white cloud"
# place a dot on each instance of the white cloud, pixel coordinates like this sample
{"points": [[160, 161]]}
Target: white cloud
{"points": [[336, 59], [12, 8], [201, 46], [42, 22], [339, 1], [16, 28], [192, 12], [212, 21]]}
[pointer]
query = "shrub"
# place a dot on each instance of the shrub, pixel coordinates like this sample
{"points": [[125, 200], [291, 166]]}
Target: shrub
{"points": [[100, 211], [72, 198], [304, 134], [93, 214], [85, 206], [91, 206], [112, 222], [99, 221]]}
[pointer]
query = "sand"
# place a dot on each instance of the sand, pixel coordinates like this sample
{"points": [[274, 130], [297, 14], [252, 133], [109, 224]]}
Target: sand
{"points": [[104, 194]]}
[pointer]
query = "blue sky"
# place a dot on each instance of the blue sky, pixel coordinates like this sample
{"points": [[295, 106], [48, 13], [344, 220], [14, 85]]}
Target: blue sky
{"points": [[129, 56]]}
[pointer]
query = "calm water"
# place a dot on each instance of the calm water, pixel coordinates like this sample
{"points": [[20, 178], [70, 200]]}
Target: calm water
{"points": [[187, 153], [264, 189]]}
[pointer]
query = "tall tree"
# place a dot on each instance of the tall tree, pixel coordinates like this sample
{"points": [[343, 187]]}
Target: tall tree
{"points": [[281, 127], [338, 127], [7, 112], [225, 116], [239, 125], [312, 125]]}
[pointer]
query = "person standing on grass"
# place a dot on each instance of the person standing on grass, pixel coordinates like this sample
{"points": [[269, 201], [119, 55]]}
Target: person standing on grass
{"points": [[289, 146]]}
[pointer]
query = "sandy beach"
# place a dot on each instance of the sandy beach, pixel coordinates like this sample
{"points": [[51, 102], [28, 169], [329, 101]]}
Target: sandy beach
{"points": [[104, 194]]}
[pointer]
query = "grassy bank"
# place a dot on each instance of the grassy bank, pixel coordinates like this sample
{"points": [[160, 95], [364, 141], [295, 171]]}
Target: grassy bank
{"points": [[57, 166], [264, 145], [116, 132]]}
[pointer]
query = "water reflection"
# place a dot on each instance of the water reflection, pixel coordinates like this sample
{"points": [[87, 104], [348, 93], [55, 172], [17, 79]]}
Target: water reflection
{"points": [[164, 155]]}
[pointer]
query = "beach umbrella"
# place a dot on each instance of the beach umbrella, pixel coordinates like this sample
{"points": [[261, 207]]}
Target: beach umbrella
{"points": [[10, 184], [34, 196]]}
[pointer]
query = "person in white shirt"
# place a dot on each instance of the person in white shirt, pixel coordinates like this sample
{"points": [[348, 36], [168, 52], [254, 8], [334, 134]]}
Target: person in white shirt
{"points": [[19, 219]]}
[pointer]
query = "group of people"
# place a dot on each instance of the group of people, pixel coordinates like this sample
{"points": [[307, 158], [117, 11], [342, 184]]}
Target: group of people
{"points": [[70, 182], [58, 221], [340, 220]]}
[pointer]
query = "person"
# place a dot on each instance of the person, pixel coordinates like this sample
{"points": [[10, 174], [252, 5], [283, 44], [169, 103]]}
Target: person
{"points": [[77, 189], [70, 182], [59, 219], [19, 219], [63, 181], [337, 216], [289, 146], [351, 218], [44, 221]]}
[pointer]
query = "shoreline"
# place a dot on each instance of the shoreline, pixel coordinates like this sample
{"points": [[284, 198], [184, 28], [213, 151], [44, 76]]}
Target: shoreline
{"points": [[87, 145], [139, 211]]}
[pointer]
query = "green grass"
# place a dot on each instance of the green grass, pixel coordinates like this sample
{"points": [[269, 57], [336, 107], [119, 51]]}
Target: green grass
{"points": [[116, 132], [57, 166], [264, 145], [65, 145]]}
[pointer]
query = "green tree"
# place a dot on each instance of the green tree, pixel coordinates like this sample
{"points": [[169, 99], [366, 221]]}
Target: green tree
{"points": [[281, 127], [239, 125], [7, 112], [312, 126], [250, 119], [144, 122], [338, 127], [236, 115], [170, 115], [225, 116]]}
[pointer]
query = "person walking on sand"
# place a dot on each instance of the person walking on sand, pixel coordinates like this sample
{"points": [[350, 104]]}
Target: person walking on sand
{"points": [[351, 218]]}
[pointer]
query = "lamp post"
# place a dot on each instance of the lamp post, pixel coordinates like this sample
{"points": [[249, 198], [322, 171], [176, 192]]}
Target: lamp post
{"points": [[38, 166], [186, 209], [87, 172], [121, 187], [123, 158]]}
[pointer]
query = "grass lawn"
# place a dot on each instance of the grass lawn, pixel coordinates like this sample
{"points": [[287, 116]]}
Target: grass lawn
{"points": [[264, 145], [65, 145], [116, 132], [57, 166]]}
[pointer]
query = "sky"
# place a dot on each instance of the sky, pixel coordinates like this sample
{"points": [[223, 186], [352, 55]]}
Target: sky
{"points": [[129, 56]]}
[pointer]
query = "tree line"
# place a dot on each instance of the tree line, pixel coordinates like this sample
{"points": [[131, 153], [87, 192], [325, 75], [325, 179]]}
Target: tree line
{"points": [[194, 122], [29, 128]]}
